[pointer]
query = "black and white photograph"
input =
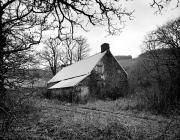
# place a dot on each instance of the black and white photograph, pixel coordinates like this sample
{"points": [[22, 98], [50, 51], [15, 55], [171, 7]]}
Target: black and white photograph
{"points": [[89, 69]]}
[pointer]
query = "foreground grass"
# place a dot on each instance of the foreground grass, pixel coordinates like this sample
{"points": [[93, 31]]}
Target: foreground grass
{"points": [[127, 106], [49, 121], [52, 120]]}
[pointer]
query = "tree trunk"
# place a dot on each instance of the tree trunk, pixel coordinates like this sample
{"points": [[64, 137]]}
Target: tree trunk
{"points": [[2, 63]]}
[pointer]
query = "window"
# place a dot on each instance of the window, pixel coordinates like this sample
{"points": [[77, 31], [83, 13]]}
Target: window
{"points": [[100, 69]]}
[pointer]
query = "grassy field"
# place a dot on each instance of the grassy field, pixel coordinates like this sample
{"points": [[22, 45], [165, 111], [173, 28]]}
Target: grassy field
{"points": [[53, 120]]}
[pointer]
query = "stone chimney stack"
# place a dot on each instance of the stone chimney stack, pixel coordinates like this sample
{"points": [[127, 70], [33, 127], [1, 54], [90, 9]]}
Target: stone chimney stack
{"points": [[104, 47]]}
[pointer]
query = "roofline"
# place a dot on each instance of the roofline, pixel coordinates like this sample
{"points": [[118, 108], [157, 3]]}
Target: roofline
{"points": [[99, 60], [73, 77], [69, 79], [75, 63], [78, 62]]}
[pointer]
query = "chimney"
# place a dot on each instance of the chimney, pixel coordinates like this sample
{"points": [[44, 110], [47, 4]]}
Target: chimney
{"points": [[104, 47]]}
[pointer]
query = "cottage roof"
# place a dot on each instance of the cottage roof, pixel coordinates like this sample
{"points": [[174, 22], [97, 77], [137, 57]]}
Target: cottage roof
{"points": [[69, 83], [77, 70]]}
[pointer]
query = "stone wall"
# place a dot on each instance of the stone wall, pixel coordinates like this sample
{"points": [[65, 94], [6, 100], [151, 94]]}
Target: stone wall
{"points": [[77, 94], [112, 74]]}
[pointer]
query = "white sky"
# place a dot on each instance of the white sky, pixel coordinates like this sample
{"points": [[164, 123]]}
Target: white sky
{"points": [[130, 40], [132, 36]]}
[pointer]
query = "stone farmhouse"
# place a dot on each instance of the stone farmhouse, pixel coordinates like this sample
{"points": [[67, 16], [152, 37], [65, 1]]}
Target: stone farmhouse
{"points": [[96, 75]]}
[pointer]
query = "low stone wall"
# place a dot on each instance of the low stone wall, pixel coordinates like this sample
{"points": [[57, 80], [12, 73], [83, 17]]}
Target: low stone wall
{"points": [[73, 94]]}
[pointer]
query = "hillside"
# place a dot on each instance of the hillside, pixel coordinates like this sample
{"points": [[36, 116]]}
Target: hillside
{"points": [[127, 62]]}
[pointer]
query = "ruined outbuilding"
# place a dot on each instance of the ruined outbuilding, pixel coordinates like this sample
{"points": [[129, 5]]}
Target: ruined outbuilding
{"points": [[99, 75]]}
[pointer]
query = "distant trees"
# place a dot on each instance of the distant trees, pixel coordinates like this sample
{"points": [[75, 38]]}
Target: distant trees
{"points": [[51, 54], [75, 49], [159, 67], [57, 54], [163, 48], [82, 50]]}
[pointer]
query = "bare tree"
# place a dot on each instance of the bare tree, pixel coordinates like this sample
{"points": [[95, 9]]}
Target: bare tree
{"points": [[51, 54], [15, 20], [57, 54], [75, 49], [69, 45], [161, 4], [82, 49]]}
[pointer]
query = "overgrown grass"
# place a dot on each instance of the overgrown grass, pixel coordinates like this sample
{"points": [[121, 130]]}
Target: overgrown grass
{"points": [[80, 132], [19, 112], [149, 100], [120, 104], [32, 122], [44, 120]]}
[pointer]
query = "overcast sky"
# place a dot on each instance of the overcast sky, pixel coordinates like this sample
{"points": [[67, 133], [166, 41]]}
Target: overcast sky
{"points": [[130, 40]]}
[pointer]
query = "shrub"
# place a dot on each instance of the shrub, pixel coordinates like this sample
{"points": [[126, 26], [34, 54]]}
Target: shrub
{"points": [[110, 93], [17, 105], [47, 94], [114, 131], [156, 85]]}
